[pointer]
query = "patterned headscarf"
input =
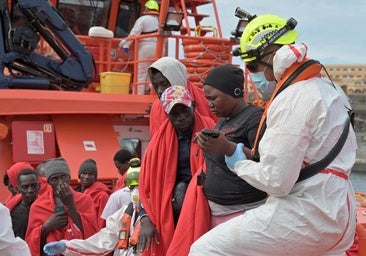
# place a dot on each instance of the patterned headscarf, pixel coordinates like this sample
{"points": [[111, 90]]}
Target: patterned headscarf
{"points": [[175, 95]]}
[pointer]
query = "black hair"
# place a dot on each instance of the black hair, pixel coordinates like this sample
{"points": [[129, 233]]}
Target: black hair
{"points": [[6, 180], [26, 172], [123, 156]]}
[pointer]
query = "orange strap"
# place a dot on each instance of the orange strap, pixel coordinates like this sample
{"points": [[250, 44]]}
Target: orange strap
{"points": [[311, 71]]}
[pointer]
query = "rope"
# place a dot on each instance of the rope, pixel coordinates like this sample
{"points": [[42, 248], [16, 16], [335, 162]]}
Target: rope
{"points": [[203, 53]]}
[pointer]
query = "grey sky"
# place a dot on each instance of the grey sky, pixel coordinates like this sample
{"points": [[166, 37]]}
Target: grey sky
{"points": [[334, 30]]}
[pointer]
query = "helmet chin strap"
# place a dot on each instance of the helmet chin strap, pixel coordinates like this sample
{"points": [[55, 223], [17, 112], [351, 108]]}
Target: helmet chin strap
{"points": [[266, 64]]}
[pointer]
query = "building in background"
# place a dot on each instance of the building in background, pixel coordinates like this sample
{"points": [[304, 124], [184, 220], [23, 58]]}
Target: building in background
{"points": [[352, 78]]}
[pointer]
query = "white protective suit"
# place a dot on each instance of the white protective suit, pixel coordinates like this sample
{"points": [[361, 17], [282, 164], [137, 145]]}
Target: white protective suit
{"points": [[116, 201], [103, 242], [148, 23], [9, 244], [314, 217]]}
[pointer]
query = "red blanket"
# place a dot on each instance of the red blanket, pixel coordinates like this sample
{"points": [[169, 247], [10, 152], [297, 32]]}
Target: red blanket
{"points": [[158, 175], [44, 186], [193, 222], [158, 116], [14, 170], [99, 192], [42, 210]]}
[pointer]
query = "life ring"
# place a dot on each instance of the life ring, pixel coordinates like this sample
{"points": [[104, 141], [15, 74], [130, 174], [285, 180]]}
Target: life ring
{"points": [[202, 62], [194, 78], [191, 41], [207, 55], [198, 84], [198, 70], [207, 47], [187, 41]]}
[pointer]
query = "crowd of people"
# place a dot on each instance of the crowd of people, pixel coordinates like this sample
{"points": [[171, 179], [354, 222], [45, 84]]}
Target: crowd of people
{"points": [[43, 207], [219, 176]]}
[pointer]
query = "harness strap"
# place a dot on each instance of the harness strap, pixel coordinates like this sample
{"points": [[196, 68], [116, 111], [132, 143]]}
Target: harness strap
{"points": [[295, 73], [150, 32], [315, 168]]}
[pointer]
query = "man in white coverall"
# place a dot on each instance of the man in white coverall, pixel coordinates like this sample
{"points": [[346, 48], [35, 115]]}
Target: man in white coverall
{"points": [[117, 236], [9, 244], [146, 24], [311, 216]]}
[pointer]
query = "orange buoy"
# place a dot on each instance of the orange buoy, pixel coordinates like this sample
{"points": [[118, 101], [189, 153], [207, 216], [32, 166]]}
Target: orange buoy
{"points": [[4, 130]]}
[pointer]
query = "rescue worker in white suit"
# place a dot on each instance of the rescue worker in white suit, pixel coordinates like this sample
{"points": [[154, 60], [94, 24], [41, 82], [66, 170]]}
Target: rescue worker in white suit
{"points": [[146, 24], [308, 216], [9, 244], [120, 234]]}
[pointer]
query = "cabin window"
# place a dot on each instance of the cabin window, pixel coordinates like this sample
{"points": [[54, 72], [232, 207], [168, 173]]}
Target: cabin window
{"points": [[127, 15], [82, 15], [132, 144]]}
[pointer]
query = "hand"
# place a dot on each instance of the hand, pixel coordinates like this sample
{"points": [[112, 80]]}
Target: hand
{"points": [[121, 43], [56, 221], [125, 50], [147, 232], [219, 145], [65, 194], [54, 248]]}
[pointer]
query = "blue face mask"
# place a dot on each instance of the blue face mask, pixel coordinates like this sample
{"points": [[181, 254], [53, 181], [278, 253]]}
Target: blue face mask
{"points": [[264, 86]]}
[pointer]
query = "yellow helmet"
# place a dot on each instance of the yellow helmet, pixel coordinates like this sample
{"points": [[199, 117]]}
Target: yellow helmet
{"points": [[152, 5], [133, 173], [259, 32]]}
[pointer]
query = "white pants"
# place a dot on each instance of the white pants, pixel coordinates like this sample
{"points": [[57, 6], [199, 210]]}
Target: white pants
{"points": [[146, 51], [318, 220]]}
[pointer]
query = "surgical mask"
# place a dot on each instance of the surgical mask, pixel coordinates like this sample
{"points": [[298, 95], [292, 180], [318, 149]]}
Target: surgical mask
{"points": [[265, 87], [135, 198]]}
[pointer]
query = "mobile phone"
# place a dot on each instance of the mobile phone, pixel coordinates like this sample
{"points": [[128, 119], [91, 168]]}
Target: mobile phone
{"points": [[211, 133], [59, 209]]}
